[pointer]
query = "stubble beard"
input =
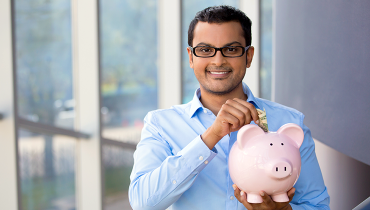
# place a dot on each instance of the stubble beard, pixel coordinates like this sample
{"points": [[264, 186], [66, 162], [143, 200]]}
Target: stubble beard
{"points": [[223, 92]]}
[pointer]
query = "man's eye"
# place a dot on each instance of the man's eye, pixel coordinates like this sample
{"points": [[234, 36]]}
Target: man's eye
{"points": [[231, 49], [204, 49]]}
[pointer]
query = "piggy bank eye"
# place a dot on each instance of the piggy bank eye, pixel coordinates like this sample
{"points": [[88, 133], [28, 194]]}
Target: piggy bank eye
{"points": [[271, 144], [282, 143]]}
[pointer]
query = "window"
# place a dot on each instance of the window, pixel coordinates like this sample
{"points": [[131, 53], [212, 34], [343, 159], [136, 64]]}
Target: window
{"points": [[129, 89], [128, 66], [44, 96], [47, 171], [266, 49], [44, 61], [118, 164]]}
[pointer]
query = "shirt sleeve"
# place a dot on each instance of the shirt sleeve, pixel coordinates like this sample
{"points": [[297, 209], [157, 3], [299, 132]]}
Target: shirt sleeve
{"points": [[311, 192], [159, 177]]}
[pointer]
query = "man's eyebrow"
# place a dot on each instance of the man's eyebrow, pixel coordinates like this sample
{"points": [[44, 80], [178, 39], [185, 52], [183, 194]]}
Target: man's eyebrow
{"points": [[211, 45], [204, 44], [231, 43]]}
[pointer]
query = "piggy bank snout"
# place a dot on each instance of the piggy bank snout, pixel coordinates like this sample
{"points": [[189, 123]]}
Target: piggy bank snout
{"points": [[279, 169]]}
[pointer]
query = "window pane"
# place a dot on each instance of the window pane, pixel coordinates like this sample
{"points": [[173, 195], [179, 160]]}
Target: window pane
{"points": [[43, 61], [118, 164], [189, 9], [128, 32], [47, 171], [266, 49]]}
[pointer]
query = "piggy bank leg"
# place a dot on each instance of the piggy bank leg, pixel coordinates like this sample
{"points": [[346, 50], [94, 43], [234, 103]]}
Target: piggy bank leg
{"points": [[283, 197], [254, 198]]}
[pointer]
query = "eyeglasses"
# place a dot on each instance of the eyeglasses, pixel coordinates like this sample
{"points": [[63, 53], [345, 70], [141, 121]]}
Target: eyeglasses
{"points": [[227, 51]]}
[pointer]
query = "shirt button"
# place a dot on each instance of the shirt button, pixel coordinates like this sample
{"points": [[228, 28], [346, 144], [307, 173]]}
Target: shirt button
{"points": [[205, 111], [174, 182], [231, 197], [201, 158], [206, 162]]}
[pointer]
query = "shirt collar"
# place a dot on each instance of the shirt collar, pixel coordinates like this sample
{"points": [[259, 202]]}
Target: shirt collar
{"points": [[196, 104], [251, 98]]}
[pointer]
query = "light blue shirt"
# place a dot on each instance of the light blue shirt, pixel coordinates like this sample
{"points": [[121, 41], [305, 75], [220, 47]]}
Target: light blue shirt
{"points": [[174, 169]]}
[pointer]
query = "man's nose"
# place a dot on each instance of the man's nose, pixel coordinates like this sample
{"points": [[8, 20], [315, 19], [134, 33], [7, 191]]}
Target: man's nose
{"points": [[218, 59]]}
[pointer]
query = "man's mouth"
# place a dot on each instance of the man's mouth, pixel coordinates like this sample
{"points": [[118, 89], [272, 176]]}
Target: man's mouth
{"points": [[218, 72]]}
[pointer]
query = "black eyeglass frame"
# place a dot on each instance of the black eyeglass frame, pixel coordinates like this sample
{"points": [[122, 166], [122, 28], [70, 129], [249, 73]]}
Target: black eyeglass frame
{"points": [[219, 49]]}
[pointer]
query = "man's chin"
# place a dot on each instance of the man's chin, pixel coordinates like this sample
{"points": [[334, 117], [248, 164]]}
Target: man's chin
{"points": [[224, 90], [219, 92]]}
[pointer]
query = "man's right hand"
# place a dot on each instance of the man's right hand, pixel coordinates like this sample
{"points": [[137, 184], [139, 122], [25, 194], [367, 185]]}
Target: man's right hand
{"points": [[233, 115]]}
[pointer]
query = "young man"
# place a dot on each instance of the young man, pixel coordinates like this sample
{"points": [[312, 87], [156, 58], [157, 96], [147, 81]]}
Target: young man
{"points": [[181, 161]]}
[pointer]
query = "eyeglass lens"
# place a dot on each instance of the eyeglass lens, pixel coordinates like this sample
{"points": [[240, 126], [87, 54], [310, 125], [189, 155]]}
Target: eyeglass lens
{"points": [[229, 51]]}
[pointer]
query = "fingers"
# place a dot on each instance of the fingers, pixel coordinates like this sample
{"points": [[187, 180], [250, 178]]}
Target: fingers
{"points": [[239, 113], [242, 197], [251, 108], [266, 199], [231, 117], [291, 193]]}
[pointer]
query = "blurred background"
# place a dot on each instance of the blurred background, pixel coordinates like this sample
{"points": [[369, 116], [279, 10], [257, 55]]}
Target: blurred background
{"points": [[78, 77]]}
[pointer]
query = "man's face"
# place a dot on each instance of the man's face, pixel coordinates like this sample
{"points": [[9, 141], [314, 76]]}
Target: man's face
{"points": [[219, 75]]}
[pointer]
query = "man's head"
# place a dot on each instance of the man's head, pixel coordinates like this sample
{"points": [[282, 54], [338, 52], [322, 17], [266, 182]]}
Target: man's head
{"points": [[220, 73], [221, 14]]}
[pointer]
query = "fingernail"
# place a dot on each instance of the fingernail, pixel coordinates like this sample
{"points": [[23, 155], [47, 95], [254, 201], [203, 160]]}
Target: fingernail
{"points": [[257, 122], [241, 193], [234, 187], [262, 194]]}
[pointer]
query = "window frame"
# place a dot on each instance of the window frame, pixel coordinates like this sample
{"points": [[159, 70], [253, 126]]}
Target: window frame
{"points": [[86, 73]]}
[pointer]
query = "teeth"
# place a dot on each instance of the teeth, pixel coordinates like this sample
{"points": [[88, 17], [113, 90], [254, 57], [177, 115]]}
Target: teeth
{"points": [[214, 72]]}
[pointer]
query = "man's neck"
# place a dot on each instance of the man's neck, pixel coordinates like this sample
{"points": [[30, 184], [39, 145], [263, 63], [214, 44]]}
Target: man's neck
{"points": [[214, 102]]}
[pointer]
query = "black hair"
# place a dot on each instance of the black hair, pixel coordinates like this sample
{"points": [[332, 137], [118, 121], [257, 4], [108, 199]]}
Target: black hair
{"points": [[221, 14]]}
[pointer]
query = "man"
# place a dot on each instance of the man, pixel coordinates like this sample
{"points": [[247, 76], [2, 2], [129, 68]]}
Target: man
{"points": [[181, 160]]}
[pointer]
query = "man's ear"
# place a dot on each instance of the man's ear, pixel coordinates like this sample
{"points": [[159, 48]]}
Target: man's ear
{"points": [[190, 53], [250, 53]]}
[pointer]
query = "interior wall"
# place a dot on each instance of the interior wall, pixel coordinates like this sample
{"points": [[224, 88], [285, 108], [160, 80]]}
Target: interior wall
{"points": [[347, 179], [322, 64], [321, 54]]}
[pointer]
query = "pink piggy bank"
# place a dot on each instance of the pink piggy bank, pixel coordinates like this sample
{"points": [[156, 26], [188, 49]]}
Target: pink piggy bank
{"points": [[266, 161]]}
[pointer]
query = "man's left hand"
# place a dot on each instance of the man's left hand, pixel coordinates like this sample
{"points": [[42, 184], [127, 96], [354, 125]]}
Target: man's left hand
{"points": [[267, 202]]}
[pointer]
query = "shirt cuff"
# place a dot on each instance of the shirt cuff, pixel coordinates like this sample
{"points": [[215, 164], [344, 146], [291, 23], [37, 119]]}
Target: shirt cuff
{"points": [[197, 154]]}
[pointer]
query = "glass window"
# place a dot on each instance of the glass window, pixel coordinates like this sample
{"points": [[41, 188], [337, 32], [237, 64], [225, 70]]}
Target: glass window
{"points": [[44, 61], [266, 49], [47, 171], [189, 9], [118, 164], [128, 45]]}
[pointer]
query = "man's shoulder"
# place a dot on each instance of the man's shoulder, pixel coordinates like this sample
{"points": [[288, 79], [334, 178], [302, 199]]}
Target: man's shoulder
{"points": [[279, 108], [173, 111]]}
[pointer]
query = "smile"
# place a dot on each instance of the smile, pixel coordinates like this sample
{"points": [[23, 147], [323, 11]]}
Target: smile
{"points": [[217, 72]]}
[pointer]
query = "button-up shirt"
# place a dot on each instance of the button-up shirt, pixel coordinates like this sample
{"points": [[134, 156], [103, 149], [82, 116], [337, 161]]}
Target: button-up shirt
{"points": [[174, 169]]}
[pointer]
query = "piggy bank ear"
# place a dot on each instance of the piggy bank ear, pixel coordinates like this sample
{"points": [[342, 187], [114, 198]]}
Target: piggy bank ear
{"points": [[248, 132], [293, 131]]}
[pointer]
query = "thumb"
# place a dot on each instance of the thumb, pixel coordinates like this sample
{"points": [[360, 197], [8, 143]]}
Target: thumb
{"points": [[291, 193]]}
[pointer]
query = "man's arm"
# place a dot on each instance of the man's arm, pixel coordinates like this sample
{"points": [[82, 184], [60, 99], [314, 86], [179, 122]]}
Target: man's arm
{"points": [[311, 192], [159, 177], [233, 115]]}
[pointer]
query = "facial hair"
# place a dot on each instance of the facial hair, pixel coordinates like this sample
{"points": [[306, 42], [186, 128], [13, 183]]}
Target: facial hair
{"points": [[219, 93]]}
